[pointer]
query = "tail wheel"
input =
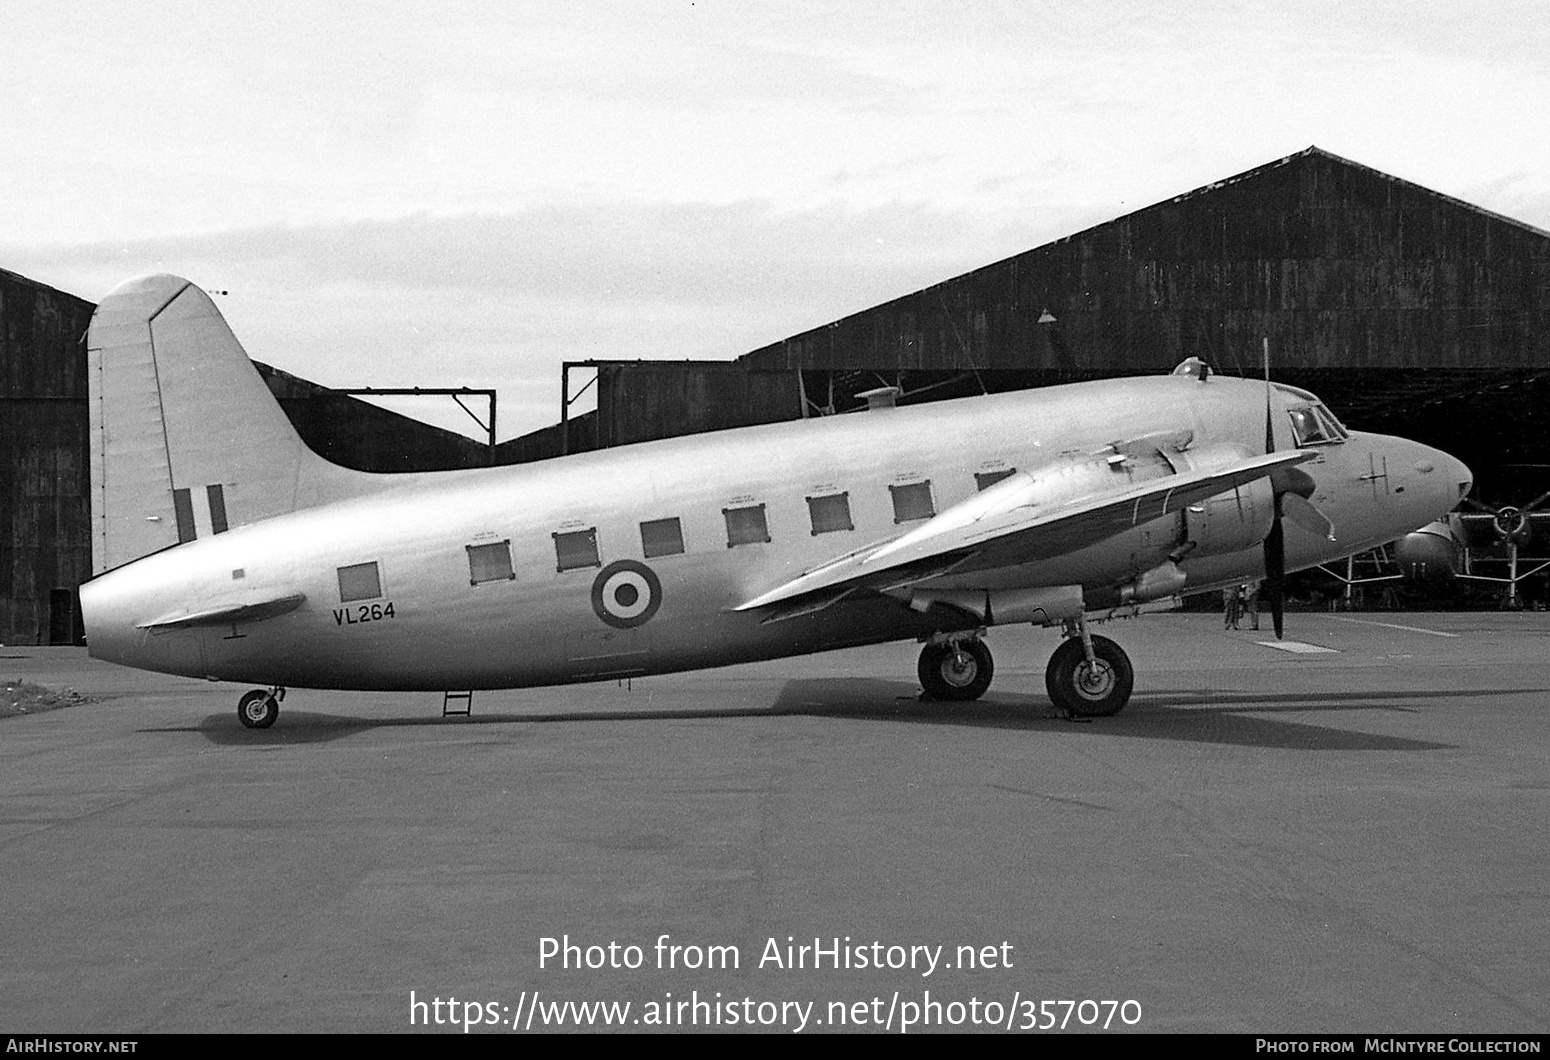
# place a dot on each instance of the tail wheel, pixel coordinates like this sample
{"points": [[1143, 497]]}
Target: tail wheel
{"points": [[956, 673], [258, 709], [1090, 690]]}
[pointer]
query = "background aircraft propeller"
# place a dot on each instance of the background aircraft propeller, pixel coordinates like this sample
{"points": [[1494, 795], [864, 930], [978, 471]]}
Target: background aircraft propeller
{"points": [[1509, 520]]}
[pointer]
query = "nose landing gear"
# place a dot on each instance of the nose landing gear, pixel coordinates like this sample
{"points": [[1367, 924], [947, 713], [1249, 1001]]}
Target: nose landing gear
{"points": [[259, 708]]}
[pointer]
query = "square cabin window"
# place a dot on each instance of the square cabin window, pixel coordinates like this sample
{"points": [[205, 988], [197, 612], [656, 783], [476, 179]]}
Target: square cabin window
{"points": [[575, 549], [359, 582], [982, 479], [661, 537], [490, 563], [912, 501], [746, 526], [830, 513]]}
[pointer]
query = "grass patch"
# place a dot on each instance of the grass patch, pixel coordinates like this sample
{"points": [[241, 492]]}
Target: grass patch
{"points": [[23, 697]]}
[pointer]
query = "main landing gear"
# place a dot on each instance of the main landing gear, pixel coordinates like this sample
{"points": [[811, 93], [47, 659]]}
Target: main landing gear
{"points": [[1087, 676], [259, 708], [955, 671]]}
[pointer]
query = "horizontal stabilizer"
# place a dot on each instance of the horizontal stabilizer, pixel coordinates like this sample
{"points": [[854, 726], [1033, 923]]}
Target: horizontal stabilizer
{"points": [[1003, 525], [227, 613]]}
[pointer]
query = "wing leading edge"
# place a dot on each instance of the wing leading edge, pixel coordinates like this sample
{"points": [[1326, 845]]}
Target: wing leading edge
{"points": [[1003, 525]]}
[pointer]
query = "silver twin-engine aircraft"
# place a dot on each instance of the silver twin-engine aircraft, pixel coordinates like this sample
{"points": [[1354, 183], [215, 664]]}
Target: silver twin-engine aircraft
{"points": [[225, 549]]}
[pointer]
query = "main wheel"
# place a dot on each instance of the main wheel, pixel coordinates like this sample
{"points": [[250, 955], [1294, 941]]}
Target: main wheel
{"points": [[258, 709], [1087, 690], [956, 672]]}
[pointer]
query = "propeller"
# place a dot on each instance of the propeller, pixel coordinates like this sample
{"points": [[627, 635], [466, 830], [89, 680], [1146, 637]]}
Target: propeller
{"points": [[1274, 590], [1293, 489], [1510, 521]]}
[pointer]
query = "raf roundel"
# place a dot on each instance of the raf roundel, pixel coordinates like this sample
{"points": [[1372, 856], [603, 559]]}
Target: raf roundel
{"points": [[626, 594]]}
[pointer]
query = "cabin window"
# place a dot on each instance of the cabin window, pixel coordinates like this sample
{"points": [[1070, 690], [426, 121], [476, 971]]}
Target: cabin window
{"points": [[830, 513], [575, 549], [746, 526], [912, 501], [983, 479], [359, 582], [661, 537], [490, 563]]}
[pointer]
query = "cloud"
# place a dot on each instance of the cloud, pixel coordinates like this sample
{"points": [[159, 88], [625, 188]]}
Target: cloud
{"points": [[642, 254], [500, 300]]}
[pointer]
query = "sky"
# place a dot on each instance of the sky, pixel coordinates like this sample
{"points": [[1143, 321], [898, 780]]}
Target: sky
{"points": [[469, 193]]}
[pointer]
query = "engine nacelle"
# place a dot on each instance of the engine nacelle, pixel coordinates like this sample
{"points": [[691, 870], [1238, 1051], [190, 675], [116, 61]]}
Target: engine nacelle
{"points": [[1431, 552], [1045, 605], [1228, 522], [1513, 524], [1075, 477]]}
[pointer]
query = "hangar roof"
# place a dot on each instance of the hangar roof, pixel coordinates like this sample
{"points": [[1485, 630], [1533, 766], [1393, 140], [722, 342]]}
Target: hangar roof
{"points": [[1338, 264]]}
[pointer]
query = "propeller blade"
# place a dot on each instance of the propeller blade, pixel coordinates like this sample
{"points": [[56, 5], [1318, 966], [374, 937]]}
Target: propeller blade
{"points": [[1270, 436], [1274, 589], [1303, 512], [1535, 503], [1293, 480]]}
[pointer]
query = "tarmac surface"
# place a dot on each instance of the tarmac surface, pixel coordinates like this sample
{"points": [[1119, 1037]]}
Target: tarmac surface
{"points": [[1264, 841]]}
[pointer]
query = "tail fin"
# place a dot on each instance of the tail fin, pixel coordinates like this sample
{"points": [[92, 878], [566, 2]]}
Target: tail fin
{"points": [[187, 440]]}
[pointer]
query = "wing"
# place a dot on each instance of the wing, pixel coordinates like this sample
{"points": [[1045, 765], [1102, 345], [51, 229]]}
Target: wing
{"points": [[250, 609], [1002, 525]]}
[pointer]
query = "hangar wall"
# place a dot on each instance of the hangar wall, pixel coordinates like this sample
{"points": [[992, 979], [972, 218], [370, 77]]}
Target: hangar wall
{"points": [[45, 536], [361, 435], [659, 399]]}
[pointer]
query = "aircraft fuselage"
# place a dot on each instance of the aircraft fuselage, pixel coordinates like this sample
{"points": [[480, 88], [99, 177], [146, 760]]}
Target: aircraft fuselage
{"points": [[573, 568]]}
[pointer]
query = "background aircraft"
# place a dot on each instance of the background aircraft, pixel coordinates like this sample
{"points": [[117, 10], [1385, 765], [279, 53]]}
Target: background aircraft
{"points": [[1459, 545], [225, 549]]}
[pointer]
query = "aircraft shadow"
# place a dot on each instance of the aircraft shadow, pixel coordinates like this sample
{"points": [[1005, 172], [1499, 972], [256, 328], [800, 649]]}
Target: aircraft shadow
{"points": [[1189, 715], [1197, 716], [304, 726]]}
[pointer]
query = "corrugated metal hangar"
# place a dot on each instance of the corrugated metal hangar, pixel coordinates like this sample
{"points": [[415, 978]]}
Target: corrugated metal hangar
{"points": [[1408, 311]]}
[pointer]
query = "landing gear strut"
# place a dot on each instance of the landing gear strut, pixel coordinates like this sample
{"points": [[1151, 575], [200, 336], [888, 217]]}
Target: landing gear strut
{"points": [[956, 671], [1089, 676], [259, 708]]}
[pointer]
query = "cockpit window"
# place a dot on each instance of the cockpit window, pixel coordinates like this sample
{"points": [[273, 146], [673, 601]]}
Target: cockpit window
{"points": [[1329, 419], [1314, 425]]}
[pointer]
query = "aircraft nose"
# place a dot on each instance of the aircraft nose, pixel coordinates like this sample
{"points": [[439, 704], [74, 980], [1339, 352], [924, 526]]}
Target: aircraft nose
{"points": [[1456, 479], [1462, 475]]}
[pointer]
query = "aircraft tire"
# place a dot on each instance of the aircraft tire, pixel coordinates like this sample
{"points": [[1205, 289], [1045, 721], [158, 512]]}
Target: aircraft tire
{"points": [[1085, 691], [258, 709], [956, 674]]}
